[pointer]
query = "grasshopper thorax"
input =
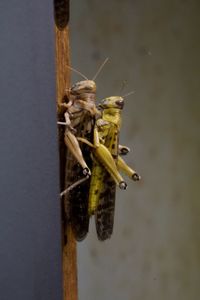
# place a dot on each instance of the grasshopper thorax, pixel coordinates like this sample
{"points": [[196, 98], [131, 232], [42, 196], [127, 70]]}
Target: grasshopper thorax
{"points": [[112, 102], [82, 87]]}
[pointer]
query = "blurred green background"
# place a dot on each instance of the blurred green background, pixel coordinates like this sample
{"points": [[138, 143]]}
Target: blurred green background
{"points": [[154, 49]]}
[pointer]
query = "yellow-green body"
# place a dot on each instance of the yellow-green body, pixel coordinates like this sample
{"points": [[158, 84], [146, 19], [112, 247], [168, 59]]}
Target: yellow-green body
{"points": [[108, 133], [106, 165], [105, 174]]}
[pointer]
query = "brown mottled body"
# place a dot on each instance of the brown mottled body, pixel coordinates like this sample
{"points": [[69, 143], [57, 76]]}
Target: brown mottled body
{"points": [[82, 117]]}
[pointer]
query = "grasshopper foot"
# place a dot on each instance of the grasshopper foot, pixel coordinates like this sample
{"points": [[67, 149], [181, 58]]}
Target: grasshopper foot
{"points": [[86, 172], [136, 177], [123, 185]]}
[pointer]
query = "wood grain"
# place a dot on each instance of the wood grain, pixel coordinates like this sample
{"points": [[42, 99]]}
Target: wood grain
{"points": [[69, 255]]}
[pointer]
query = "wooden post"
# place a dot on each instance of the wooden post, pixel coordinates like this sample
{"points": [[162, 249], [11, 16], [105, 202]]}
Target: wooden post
{"points": [[63, 82]]}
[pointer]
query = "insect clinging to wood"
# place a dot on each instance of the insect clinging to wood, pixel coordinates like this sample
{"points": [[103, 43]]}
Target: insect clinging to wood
{"points": [[80, 118], [106, 166]]}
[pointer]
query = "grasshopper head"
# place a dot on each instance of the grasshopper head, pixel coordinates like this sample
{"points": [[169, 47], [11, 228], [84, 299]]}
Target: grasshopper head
{"points": [[84, 86], [112, 102]]}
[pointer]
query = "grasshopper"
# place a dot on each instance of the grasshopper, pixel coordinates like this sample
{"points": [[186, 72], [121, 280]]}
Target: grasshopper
{"points": [[106, 166], [80, 117]]}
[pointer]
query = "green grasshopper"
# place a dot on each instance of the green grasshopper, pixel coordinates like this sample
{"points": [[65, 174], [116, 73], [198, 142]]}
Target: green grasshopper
{"points": [[106, 166], [80, 117]]}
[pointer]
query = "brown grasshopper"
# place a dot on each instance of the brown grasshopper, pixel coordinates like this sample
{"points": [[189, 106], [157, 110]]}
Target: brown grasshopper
{"points": [[80, 118]]}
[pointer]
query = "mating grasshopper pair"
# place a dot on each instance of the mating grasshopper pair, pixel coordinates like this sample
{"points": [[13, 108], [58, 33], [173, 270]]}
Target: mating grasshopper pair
{"points": [[93, 159]]}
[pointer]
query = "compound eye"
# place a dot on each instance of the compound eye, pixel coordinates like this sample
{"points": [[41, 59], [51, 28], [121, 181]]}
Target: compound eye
{"points": [[120, 103], [88, 88]]}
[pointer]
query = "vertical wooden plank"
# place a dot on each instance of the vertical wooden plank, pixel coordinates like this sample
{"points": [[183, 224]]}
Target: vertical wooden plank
{"points": [[62, 83]]}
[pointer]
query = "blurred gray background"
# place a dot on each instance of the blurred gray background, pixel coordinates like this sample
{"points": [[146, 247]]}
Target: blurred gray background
{"points": [[154, 48]]}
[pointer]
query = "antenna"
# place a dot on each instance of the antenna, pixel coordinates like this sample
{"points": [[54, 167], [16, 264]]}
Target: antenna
{"points": [[100, 68], [123, 84], [77, 72], [128, 94]]}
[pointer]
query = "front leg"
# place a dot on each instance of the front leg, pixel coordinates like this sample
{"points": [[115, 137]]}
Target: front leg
{"points": [[122, 165], [103, 156], [73, 145]]}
